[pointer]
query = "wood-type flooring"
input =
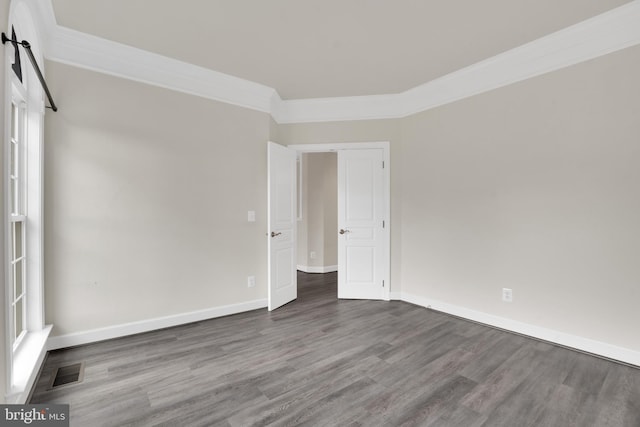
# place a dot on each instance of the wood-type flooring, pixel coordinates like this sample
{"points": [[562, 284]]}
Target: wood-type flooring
{"points": [[320, 361]]}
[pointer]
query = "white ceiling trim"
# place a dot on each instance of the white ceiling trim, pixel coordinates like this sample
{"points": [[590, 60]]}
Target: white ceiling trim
{"points": [[338, 109], [97, 54], [611, 31], [598, 36], [83, 50]]}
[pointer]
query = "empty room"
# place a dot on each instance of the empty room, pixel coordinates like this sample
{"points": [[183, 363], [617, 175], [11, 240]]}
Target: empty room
{"points": [[325, 213]]}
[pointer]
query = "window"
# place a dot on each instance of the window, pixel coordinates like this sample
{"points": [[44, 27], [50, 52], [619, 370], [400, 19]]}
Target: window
{"points": [[26, 336], [17, 219]]}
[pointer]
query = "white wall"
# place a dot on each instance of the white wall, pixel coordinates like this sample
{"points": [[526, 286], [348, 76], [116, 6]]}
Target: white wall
{"points": [[329, 208], [318, 229], [146, 194], [533, 187]]}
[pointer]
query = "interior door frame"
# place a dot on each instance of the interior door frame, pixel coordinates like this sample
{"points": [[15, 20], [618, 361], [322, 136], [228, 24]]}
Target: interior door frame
{"points": [[386, 155]]}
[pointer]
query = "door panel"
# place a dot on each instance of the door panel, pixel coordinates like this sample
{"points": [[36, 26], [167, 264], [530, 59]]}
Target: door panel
{"points": [[361, 260], [282, 199], [361, 243]]}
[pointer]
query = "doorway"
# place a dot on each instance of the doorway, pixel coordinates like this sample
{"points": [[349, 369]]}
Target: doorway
{"points": [[317, 246], [363, 221]]}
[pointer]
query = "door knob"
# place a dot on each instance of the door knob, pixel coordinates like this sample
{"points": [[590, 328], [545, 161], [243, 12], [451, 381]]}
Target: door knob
{"points": [[274, 234], [343, 231]]}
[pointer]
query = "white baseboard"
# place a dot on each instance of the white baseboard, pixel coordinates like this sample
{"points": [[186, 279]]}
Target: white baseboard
{"points": [[323, 269], [395, 296], [573, 341], [101, 334]]}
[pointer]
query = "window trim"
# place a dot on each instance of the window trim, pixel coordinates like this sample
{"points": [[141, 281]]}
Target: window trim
{"points": [[23, 361], [17, 175]]}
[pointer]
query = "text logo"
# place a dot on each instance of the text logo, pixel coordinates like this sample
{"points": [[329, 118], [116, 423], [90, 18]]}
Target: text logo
{"points": [[34, 415]]}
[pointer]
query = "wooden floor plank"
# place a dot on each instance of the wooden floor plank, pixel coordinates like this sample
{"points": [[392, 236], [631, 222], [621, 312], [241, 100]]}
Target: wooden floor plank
{"points": [[321, 361]]}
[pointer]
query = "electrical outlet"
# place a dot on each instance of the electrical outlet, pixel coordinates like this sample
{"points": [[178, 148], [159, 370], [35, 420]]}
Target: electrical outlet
{"points": [[507, 295], [251, 281], [312, 255]]}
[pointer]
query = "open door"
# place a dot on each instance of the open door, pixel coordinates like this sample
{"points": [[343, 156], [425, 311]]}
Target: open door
{"points": [[282, 279], [362, 244]]}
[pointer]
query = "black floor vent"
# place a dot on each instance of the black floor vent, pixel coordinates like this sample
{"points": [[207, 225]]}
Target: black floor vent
{"points": [[66, 375]]}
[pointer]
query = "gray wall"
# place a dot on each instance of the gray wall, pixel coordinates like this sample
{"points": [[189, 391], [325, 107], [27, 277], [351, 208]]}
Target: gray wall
{"points": [[146, 199]]}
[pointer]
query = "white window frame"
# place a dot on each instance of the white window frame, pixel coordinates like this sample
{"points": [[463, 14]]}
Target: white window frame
{"points": [[17, 207], [25, 355]]}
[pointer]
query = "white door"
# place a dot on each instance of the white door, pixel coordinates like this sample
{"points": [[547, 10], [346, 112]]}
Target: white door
{"points": [[282, 279], [361, 210]]}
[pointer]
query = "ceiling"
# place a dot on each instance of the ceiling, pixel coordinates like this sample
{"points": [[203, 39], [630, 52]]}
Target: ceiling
{"points": [[327, 48]]}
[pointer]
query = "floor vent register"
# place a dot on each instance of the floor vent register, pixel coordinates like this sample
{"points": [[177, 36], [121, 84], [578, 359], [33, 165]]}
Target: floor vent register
{"points": [[67, 375]]}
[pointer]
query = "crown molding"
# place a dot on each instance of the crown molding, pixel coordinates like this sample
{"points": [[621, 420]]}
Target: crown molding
{"points": [[338, 109], [611, 31], [83, 50]]}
